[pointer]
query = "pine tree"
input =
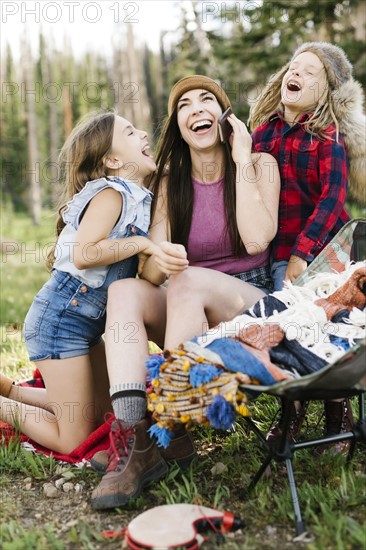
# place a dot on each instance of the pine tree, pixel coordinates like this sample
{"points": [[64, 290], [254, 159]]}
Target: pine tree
{"points": [[13, 159]]}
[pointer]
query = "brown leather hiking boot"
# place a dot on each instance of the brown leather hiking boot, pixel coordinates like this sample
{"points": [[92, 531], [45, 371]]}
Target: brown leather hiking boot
{"points": [[338, 419], [181, 450], [6, 384], [99, 461], [134, 461], [296, 422]]}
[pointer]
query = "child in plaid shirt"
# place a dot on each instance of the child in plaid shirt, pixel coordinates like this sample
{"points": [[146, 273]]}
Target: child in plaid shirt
{"points": [[309, 117]]}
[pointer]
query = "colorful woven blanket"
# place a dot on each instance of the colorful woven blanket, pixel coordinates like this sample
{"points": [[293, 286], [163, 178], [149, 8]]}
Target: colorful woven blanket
{"points": [[287, 334]]}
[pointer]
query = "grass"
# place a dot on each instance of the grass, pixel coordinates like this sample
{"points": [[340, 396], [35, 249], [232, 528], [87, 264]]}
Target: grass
{"points": [[332, 497], [23, 270]]}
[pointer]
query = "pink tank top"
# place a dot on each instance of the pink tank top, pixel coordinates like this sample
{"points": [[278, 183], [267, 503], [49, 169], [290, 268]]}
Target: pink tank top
{"points": [[209, 243]]}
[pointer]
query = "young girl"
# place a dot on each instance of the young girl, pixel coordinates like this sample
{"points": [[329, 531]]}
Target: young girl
{"points": [[216, 211], [298, 119], [102, 226]]}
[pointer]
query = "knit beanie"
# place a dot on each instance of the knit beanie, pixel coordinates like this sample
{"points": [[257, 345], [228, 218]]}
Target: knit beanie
{"points": [[347, 103], [335, 61], [197, 82]]}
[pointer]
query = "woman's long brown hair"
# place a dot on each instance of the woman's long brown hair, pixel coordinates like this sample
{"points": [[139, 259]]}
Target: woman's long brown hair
{"points": [[174, 160]]}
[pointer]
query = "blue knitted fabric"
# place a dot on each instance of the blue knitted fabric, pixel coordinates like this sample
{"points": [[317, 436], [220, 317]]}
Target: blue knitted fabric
{"points": [[237, 359]]}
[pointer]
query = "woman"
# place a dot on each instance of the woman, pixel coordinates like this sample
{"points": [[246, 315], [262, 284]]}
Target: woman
{"points": [[215, 214]]}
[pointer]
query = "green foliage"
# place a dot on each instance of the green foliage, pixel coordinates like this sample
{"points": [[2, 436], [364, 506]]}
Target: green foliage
{"points": [[15, 537], [16, 459], [13, 139], [239, 43], [23, 270], [265, 34]]}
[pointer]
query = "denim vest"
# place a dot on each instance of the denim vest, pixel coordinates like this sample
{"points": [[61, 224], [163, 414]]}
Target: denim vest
{"points": [[134, 220]]}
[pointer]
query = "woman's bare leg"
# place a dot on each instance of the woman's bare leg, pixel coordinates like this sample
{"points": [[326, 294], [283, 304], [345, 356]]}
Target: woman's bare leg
{"points": [[101, 381], [136, 313], [200, 298]]}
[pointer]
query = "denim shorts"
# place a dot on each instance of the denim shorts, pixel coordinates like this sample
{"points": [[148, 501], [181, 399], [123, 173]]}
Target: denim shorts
{"points": [[66, 318], [278, 272]]}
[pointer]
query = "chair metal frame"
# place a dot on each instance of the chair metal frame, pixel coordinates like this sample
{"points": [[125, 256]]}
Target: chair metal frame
{"points": [[346, 377], [313, 387]]}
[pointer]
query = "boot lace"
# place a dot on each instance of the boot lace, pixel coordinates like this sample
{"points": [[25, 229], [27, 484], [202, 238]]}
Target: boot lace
{"points": [[120, 438]]}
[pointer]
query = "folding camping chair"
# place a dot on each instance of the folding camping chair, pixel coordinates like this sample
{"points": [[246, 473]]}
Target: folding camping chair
{"points": [[346, 377]]}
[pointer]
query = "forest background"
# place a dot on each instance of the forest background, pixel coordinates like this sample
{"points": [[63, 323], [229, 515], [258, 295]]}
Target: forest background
{"points": [[46, 89]]}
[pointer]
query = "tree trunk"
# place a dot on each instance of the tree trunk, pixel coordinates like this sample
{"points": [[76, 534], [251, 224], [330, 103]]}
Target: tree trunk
{"points": [[33, 175], [53, 171], [67, 93], [136, 90], [203, 41], [359, 21]]}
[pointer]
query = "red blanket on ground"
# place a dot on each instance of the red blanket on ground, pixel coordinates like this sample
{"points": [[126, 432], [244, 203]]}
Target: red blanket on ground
{"points": [[97, 441]]}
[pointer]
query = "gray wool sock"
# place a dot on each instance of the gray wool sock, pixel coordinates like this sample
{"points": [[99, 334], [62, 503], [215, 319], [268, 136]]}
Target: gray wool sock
{"points": [[129, 402]]}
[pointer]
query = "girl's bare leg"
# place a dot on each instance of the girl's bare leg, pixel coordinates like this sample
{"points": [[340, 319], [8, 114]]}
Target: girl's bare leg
{"points": [[70, 396], [38, 396], [199, 298], [30, 396]]}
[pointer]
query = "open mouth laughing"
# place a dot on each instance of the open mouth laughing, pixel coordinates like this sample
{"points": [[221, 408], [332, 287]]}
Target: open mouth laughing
{"points": [[201, 125], [293, 86]]}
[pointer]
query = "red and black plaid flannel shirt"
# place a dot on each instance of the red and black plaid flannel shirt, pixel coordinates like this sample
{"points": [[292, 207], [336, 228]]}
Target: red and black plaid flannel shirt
{"points": [[313, 186]]}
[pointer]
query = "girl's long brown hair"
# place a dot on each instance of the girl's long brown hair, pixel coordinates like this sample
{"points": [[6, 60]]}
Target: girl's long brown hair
{"points": [[173, 160], [269, 102], [81, 160]]}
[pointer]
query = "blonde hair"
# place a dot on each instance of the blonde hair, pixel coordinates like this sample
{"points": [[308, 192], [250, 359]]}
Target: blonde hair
{"points": [[81, 160], [269, 102]]}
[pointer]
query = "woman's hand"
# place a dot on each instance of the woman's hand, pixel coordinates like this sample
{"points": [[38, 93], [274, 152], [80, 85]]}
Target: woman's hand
{"points": [[240, 140], [171, 258]]}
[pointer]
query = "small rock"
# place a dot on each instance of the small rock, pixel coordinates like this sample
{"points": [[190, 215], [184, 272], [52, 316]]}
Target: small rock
{"points": [[68, 486], [50, 491], [78, 487], [219, 469], [28, 486], [72, 523], [271, 531], [59, 482], [27, 480]]}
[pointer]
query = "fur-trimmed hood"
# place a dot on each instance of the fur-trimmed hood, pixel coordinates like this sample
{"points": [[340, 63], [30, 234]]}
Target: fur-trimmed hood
{"points": [[348, 101]]}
